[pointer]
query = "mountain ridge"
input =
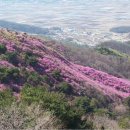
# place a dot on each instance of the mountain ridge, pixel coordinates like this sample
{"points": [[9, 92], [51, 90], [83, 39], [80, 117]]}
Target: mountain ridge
{"points": [[49, 60]]}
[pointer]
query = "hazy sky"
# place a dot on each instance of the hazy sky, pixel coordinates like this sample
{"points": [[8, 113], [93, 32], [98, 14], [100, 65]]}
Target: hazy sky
{"points": [[80, 17]]}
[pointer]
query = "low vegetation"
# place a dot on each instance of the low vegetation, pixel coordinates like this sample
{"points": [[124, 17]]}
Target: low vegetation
{"points": [[69, 112], [109, 51], [6, 98], [65, 88]]}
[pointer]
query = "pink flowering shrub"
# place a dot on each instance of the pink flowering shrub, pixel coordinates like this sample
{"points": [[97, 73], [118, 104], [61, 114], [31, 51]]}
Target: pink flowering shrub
{"points": [[106, 79], [2, 87], [5, 64], [49, 60]]}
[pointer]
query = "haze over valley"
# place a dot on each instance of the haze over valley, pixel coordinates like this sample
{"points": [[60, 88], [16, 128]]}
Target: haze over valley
{"points": [[80, 21]]}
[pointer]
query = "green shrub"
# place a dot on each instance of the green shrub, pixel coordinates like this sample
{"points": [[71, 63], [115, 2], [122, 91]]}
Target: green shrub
{"points": [[30, 94], [94, 103], [3, 49], [47, 80], [6, 98], [13, 73], [30, 59], [12, 57], [124, 123], [49, 100], [109, 51], [9, 74], [84, 103], [56, 103], [56, 74], [65, 87], [34, 79], [104, 111]]}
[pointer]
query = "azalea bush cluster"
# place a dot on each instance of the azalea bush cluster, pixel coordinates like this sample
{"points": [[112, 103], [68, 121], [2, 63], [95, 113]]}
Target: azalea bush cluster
{"points": [[106, 79], [48, 64], [32, 54]]}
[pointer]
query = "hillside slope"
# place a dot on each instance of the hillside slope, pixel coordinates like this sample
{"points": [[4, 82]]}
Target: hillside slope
{"points": [[16, 48]]}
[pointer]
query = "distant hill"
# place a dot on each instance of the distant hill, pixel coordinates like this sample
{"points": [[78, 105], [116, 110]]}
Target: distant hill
{"points": [[121, 29], [23, 27]]}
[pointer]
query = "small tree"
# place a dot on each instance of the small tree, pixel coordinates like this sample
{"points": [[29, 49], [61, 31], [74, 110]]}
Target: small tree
{"points": [[84, 103]]}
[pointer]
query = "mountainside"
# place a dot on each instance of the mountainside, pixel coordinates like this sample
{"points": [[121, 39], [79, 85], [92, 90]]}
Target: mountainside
{"points": [[19, 51]]}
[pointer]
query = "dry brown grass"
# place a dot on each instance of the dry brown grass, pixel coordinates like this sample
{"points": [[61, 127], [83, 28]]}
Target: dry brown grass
{"points": [[27, 118], [104, 122]]}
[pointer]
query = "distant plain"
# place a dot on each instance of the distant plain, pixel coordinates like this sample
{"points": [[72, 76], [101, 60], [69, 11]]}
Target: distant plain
{"points": [[80, 21]]}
